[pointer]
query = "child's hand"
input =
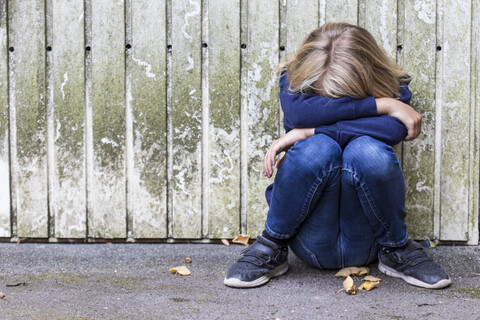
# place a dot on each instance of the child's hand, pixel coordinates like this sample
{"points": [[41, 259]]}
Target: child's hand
{"points": [[410, 118], [282, 144]]}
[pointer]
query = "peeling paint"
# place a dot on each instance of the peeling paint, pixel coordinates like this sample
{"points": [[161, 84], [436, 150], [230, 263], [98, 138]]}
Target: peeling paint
{"points": [[425, 10], [65, 79], [148, 67], [188, 15]]}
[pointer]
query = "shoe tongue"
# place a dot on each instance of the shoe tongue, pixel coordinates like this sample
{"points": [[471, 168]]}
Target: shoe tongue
{"points": [[267, 242]]}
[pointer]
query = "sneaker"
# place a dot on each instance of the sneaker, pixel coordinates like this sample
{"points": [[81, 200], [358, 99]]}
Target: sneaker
{"points": [[412, 264], [262, 260]]}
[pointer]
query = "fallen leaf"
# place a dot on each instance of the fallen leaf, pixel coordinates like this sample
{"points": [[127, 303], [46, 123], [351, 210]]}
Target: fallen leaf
{"points": [[356, 271], [348, 285], [368, 285], [109, 243], [16, 284], [242, 238], [181, 270], [225, 242], [2, 296], [372, 279], [21, 240], [187, 260]]}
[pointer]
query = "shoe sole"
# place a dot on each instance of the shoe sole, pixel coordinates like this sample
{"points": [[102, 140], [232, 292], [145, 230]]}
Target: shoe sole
{"points": [[393, 273], [237, 283]]}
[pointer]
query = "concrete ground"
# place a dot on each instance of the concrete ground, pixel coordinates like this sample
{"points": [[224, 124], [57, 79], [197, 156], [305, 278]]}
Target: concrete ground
{"points": [[131, 281]]}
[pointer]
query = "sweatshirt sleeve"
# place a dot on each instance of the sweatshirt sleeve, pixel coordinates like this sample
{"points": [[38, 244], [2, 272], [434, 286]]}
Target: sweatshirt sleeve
{"points": [[384, 128], [310, 111]]}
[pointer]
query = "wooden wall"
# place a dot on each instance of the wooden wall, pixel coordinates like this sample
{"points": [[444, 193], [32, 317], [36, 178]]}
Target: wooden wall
{"points": [[138, 119]]}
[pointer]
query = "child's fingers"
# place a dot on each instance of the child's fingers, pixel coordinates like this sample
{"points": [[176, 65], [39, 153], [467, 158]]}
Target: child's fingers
{"points": [[267, 163]]}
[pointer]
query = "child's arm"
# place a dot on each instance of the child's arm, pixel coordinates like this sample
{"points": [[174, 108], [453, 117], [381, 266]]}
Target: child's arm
{"points": [[283, 144], [310, 111], [387, 129]]}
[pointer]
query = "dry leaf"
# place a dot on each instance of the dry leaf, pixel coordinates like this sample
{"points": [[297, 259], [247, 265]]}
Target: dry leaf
{"points": [[345, 272], [2, 296], [368, 285], [372, 279], [187, 260], [225, 242], [356, 271], [242, 238], [348, 285], [21, 240], [181, 270], [362, 271]]}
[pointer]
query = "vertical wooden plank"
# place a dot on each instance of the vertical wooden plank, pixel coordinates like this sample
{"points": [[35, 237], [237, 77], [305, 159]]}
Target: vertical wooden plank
{"points": [[147, 175], [107, 190], [418, 57], [473, 205], [69, 189], [301, 17], [262, 102], [341, 11], [4, 153], [455, 122], [224, 118], [186, 119], [28, 116], [380, 19]]}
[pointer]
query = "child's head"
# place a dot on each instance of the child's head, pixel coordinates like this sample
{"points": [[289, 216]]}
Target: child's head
{"points": [[340, 59]]}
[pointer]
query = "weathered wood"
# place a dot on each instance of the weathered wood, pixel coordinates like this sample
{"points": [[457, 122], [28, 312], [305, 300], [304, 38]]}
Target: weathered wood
{"points": [[473, 201], [455, 121], [380, 19], [340, 11], [418, 57], [223, 103], [4, 156], [28, 116], [299, 19], [186, 119], [169, 142], [106, 191], [146, 107], [262, 103], [68, 195]]}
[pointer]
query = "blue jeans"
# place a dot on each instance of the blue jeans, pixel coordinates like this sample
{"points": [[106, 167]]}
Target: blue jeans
{"points": [[336, 206]]}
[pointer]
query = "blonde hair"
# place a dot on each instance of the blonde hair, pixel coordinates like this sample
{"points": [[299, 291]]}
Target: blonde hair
{"points": [[340, 59]]}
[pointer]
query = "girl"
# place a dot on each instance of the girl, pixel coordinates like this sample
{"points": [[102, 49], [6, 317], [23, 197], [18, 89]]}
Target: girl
{"points": [[338, 198]]}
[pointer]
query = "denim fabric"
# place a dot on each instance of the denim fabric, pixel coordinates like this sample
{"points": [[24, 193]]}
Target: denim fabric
{"points": [[336, 206]]}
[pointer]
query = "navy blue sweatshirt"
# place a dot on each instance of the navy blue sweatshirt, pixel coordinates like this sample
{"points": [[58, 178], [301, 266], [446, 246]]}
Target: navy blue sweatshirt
{"points": [[342, 119]]}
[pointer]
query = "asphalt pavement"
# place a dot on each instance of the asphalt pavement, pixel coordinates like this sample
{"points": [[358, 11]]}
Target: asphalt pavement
{"points": [[132, 281]]}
